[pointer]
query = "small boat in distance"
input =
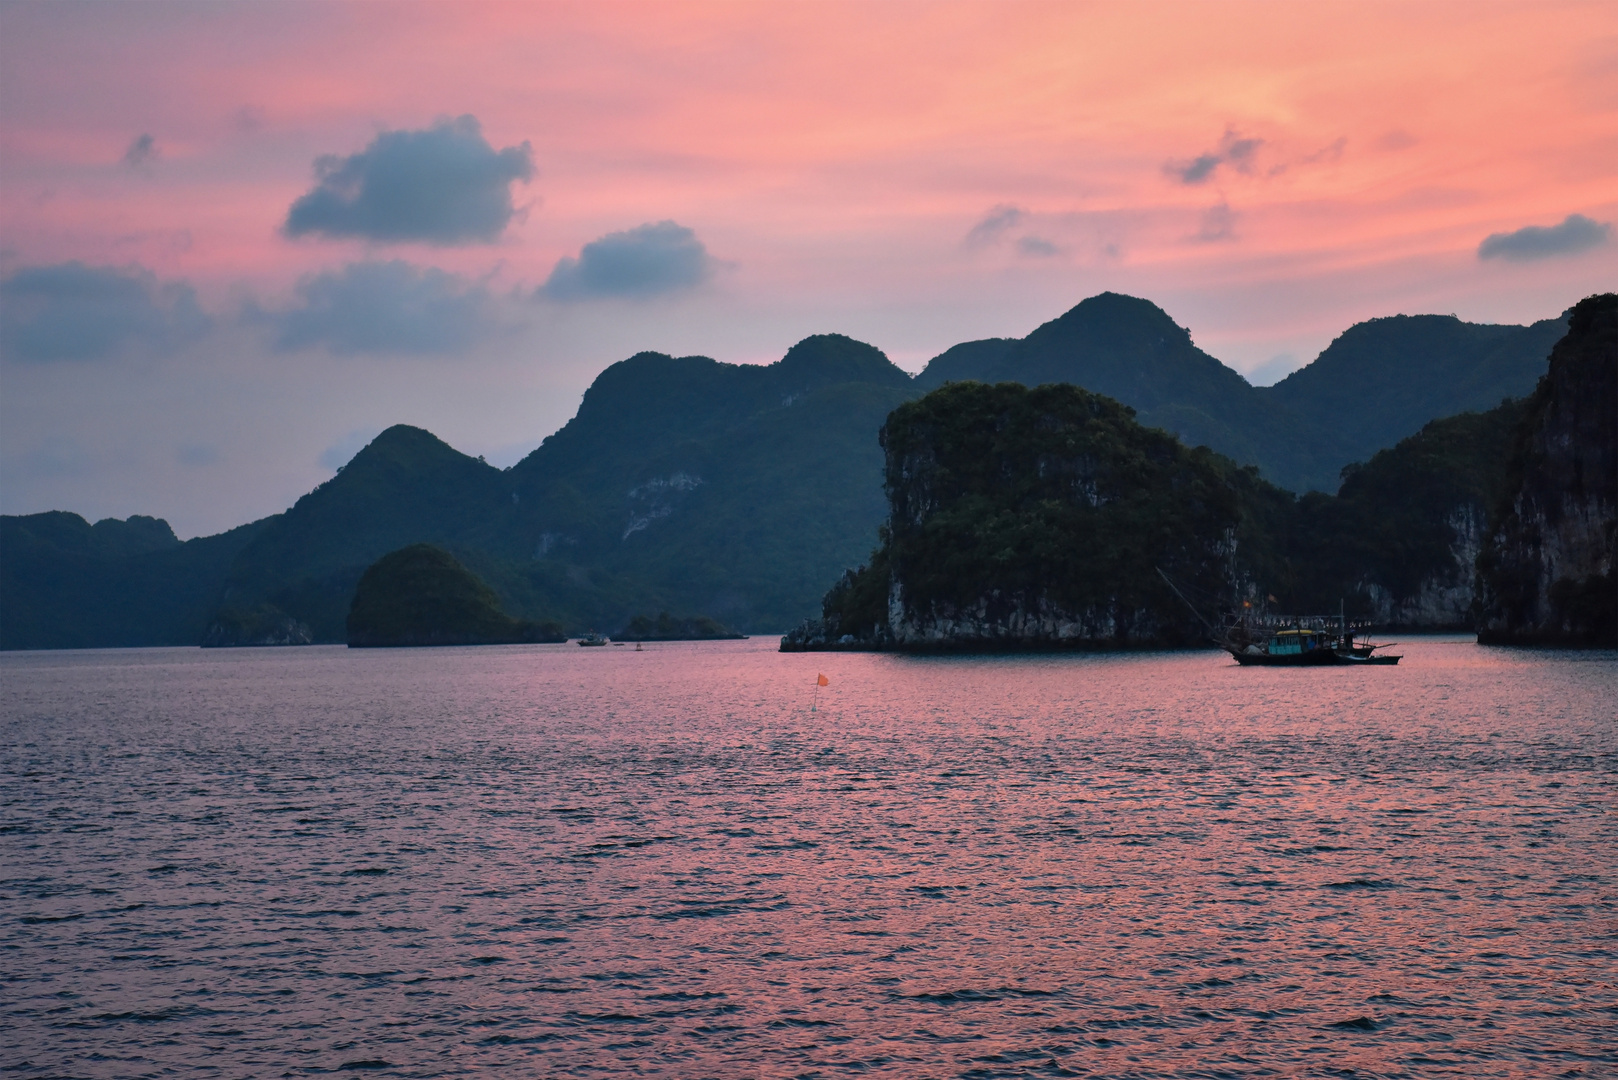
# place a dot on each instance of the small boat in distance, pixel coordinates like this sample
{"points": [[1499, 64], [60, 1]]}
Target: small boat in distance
{"points": [[592, 638], [1260, 639], [1264, 640]]}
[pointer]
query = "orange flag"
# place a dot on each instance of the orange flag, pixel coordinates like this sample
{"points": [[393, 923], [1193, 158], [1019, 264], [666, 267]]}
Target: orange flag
{"points": [[822, 681]]}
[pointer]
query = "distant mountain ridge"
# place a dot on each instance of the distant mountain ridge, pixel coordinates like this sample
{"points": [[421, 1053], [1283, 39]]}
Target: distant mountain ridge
{"points": [[1365, 388], [732, 491], [682, 484], [67, 584], [1375, 384]]}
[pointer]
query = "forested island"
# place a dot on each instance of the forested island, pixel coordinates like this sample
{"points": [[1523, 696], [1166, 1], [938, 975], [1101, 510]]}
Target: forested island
{"points": [[1049, 517], [420, 595], [667, 627]]}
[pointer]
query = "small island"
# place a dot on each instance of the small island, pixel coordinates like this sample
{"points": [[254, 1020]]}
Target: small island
{"points": [[668, 628], [421, 595], [1039, 518]]}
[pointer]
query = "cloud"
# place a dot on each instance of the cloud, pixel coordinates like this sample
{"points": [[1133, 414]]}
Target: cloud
{"points": [[1037, 247], [994, 224], [1218, 223], [1239, 152], [248, 119], [383, 307], [1576, 233], [56, 456], [1196, 170], [1330, 154], [1396, 140], [444, 185], [142, 150], [648, 260], [1233, 150], [197, 455], [70, 311]]}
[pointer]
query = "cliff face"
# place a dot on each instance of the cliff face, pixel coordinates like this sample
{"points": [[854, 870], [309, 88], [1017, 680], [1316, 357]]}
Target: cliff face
{"points": [[1399, 541], [1443, 599], [233, 628], [1545, 574], [1022, 621]]}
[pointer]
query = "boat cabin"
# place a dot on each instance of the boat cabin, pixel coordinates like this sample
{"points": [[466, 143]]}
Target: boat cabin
{"points": [[1296, 642]]}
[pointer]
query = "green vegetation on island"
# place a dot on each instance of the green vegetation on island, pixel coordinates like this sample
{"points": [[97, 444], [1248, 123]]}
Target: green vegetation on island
{"points": [[1377, 383], [420, 595], [668, 628], [1040, 518], [1383, 380], [1399, 539], [1048, 518]]}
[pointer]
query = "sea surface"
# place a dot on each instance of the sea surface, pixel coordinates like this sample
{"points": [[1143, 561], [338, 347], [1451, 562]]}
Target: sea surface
{"points": [[688, 861]]}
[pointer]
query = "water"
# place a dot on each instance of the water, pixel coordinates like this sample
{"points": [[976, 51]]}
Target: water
{"points": [[680, 862]]}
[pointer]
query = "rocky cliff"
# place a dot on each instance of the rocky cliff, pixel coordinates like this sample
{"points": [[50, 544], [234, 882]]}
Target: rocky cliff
{"points": [[1399, 541], [1040, 518], [267, 625], [1443, 598], [1545, 573]]}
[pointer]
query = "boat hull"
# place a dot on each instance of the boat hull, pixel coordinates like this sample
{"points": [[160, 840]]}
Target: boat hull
{"points": [[1313, 658]]}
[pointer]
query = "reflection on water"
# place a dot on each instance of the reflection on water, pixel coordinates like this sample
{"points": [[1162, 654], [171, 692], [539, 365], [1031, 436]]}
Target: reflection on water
{"points": [[602, 862]]}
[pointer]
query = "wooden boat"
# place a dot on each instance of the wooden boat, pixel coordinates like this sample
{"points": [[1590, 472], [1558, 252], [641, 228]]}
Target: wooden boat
{"points": [[1257, 638], [1286, 648], [1263, 640]]}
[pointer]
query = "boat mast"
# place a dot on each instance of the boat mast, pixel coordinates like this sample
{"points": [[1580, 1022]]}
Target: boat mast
{"points": [[1212, 632]]}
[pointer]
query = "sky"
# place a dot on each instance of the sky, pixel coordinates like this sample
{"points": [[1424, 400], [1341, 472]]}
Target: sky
{"points": [[239, 240]]}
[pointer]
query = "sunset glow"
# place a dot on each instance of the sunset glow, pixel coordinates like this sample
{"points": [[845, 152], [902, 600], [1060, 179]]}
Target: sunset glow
{"points": [[1267, 173], [979, 538]]}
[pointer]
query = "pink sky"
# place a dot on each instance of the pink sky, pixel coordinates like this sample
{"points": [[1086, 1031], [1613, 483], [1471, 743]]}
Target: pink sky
{"points": [[834, 157]]}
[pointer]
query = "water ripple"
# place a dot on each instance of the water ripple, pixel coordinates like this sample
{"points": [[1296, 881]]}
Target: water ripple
{"points": [[666, 863]]}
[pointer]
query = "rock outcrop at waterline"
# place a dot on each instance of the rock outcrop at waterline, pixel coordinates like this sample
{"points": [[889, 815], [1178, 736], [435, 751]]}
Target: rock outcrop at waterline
{"points": [[263, 626], [420, 595], [667, 627], [1545, 574]]}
